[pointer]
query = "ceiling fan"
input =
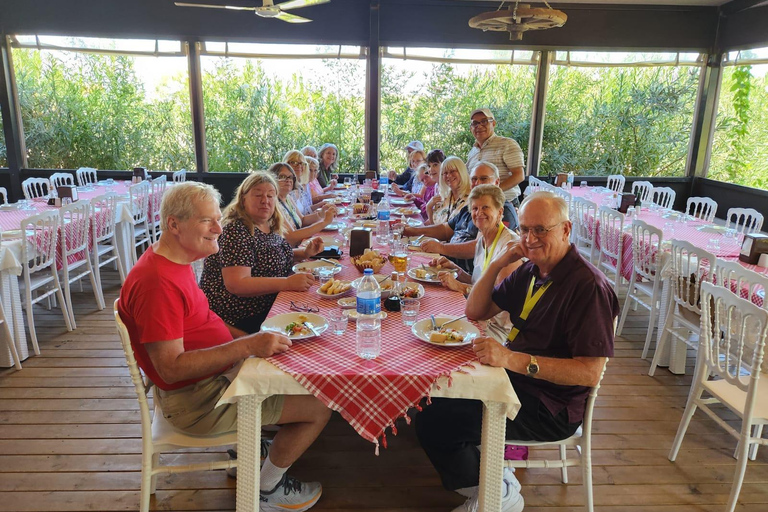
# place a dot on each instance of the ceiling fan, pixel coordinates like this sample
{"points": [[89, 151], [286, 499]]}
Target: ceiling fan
{"points": [[267, 10]]}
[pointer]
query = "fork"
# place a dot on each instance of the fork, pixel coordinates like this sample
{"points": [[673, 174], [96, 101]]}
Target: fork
{"points": [[451, 321], [312, 328]]}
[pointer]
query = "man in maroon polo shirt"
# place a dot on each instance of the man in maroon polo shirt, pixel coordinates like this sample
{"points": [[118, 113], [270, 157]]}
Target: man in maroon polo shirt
{"points": [[553, 355]]}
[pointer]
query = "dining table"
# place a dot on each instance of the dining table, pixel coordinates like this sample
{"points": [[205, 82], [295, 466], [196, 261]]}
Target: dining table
{"points": [[711, 236], [11, 241], [372, 394]]}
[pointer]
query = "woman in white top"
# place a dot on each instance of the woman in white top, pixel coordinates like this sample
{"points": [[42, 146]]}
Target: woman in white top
{"points": [[302, 195], [454, 188], [486, 203]]}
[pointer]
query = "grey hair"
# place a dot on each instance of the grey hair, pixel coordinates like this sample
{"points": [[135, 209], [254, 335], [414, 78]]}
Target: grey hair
{"points": [[487, 164], [492, 191], [179, 201], [421, 170], [308, 150], [325, 147], [557, 202]]}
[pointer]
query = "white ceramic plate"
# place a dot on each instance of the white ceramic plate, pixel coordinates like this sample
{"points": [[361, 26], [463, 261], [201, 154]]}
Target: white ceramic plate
{"points": [[401, 202], [353, 315], [333, 226], [379, 277], [16, 233], [431, 277], [423, 328], [10, 207], [414, 223], [415, 286], [711, 229], [313, 266], [406, 211], [347, 302], [333, 296], [362, 216], [278, 323]]}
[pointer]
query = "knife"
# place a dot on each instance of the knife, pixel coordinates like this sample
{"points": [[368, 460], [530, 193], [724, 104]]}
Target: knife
{"points": [[334, 263], [312, 328], [451, 321]]}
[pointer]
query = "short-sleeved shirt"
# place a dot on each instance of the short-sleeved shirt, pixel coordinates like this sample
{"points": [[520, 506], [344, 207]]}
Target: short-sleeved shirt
{"points": [[465, 230], [574, 318], [450, 208], [503, 152], [267, 255], [160, 301]]}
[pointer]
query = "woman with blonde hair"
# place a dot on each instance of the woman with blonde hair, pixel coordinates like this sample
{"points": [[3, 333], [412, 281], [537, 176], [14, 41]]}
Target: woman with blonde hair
{"points": [[302, 195], [453, 188], [298, 227], [254, 260], [318, 192]]}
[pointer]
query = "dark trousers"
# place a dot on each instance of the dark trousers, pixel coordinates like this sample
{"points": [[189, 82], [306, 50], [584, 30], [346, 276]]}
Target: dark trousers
{"points": [[251, 324], [449, 430]]}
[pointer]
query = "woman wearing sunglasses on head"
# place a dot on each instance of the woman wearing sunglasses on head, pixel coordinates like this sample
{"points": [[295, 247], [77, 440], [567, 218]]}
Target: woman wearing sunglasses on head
{"points": [[254, 260]]}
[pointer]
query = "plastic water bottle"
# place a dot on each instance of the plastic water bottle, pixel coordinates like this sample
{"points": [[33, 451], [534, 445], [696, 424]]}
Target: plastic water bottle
{"points": [[368, 339], [383, 211]]}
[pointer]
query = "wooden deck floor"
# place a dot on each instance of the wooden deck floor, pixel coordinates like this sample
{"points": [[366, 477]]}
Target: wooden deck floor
{"points": [[70, 441]]}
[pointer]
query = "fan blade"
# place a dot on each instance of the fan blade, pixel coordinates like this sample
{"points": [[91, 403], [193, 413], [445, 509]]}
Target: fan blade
{"points": [[210, 6], [295, 4], [292, 18]]}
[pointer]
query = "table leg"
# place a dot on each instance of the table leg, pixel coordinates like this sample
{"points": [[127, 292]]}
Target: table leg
{"points": [[248, 452], [9, 284], [492, 457], [675, 351]]}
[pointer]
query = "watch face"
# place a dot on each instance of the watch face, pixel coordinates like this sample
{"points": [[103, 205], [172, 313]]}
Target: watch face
{"points": [[533, 369]]}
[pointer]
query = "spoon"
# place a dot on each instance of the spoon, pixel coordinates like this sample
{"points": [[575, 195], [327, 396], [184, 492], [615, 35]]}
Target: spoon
{"points": [[434, 324]]}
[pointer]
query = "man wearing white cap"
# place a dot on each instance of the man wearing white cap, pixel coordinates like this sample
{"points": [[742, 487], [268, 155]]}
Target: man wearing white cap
{"points": [[504, 152]]}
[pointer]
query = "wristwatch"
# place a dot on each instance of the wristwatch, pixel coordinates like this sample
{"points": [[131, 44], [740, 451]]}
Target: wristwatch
{"points": [[533, 367]]}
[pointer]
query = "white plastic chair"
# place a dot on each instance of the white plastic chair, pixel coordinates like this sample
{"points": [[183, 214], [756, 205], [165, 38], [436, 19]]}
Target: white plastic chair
{"points": [[158, 436], [75, 252], [664, 197], [104, 237], [86, 176], [646, 258], [180, 176], [4, 195], [139, 203], [725, 352], [157, 190], [35, 187], [584, 220], [689, 267], [645, 188], [38, 256], [703, 208], [59, 179], [616, 183], [581, 441], [744, 220], [611, 230]]}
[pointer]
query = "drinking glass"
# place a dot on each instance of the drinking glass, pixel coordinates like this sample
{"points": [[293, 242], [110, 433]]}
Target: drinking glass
{"points": [[347, 182], [324, 274], [399, 258], [338, 318], [409, 309], [582, 184], [713, 245], [669, 230]]}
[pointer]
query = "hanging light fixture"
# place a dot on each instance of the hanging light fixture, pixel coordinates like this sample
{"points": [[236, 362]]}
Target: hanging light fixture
{"points": [[519, 19]]}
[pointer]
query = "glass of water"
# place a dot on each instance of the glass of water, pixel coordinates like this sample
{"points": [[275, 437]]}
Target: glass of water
{"points": [[338, 319], [409, 309], [713, 245]]}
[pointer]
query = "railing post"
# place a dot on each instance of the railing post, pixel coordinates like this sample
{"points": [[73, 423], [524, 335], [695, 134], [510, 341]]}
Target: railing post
{"points": [[538, 111], [373, 92], [196, 104], [13, 129]]}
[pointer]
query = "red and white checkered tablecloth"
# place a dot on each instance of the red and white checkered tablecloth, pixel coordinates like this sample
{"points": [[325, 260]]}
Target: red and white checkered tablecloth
{"points": [[371, 395]]}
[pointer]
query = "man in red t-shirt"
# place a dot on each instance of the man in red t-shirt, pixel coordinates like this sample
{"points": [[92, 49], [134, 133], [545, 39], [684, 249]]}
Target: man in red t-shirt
{"points": [[186, 349]]}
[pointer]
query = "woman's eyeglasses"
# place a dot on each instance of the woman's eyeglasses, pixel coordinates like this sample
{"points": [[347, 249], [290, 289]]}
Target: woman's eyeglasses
{"points": [[294, 163], [450, 172], [286, 178], [304, 308]]}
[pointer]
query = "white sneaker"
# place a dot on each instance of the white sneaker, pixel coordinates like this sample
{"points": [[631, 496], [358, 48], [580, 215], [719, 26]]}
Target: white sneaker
{"points": [[266, 444], [290, 494], [511, 499]]}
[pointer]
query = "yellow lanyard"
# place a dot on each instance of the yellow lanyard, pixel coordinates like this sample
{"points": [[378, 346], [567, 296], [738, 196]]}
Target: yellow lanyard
{"points": [[489, 254], [530, 302]]}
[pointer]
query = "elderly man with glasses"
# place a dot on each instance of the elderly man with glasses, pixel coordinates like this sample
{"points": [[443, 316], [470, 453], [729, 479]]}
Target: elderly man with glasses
{"points": [[457, 238], [503, 152], [563, 311]]}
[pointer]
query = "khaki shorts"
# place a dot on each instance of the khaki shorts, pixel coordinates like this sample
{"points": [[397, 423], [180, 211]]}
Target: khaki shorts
{"points": [[192, 409]]}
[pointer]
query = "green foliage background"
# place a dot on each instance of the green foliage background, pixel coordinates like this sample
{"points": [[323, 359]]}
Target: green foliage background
{"points": [[92, 110]]}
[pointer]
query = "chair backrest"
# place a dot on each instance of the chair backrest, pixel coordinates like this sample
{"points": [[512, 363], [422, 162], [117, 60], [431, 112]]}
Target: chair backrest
{"points": [[534, 185], [86, 176], [103, 220], [664, 197], [745, 220], [743, 282], [733, 333], [4, 195], [41, 231], [564, 194], [61, 178], [180, 176], [616, 182], [646, 244], [157, 190], [645, 188], [139, 201], [35, 187], [140, 386], [703, 208], [75, 221], [584, 220], [611, 228], [689, 267]]}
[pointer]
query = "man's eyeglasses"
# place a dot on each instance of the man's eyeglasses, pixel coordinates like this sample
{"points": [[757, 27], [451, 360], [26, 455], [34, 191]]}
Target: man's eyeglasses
{"points": [[286, 178], [484, 122], [537, 231], [482, 179], [304, 308]]}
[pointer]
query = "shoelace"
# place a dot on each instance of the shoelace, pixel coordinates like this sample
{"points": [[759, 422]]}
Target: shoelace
{"points": [[291, 485]]}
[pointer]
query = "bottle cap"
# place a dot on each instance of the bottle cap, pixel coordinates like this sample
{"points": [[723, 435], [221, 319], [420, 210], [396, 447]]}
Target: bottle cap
{"points": [[368, 271]]}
